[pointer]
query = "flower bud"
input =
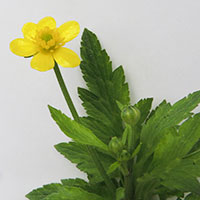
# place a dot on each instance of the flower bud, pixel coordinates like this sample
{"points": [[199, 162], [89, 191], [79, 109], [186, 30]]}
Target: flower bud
{"points": [[130, 115], [125, 156], [115, 145]]}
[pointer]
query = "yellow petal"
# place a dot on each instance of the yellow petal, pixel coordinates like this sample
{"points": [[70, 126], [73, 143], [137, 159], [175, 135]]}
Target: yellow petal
{"points": [[23, 47], [69, 30], [66, 57], [42, 62], [47, 21], [29, 30]]}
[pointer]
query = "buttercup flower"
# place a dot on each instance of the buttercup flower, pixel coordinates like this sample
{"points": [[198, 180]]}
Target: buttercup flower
{"points": [[45, 43]]}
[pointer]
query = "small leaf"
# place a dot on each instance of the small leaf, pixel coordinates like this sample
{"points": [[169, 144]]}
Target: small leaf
{"points": [[136, 151], [126, 132], [113, 167], [120, 105]]}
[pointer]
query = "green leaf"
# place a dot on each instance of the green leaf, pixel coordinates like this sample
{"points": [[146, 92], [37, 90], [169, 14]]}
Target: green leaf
{"points": [[126, 133], [166, 116], [120, 193], [70, 189], [176, 145], [181, 180], [75, 183], [144, 105], [191, 164], [136, 151], [97, 70], [145, 187], [73, 193], [120, 105], [164, 193], [76, 131], [189, 134], [180, 174], [113, 167], [42, 193], [167, 161], [164, 152], [79, 155], [105, 87], [192, 196], [98, 188], [154, 110]]}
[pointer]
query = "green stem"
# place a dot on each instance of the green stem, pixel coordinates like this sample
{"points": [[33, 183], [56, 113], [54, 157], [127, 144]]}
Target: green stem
{"points": [[65, 93], [75, 115], [128, 188]]}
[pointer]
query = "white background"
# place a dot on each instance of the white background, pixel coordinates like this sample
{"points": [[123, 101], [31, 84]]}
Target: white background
{"points": [[157, 42]]}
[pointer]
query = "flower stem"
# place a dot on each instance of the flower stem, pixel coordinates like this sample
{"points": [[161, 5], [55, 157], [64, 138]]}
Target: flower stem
{"points": [[75, 115], [66, 93]]}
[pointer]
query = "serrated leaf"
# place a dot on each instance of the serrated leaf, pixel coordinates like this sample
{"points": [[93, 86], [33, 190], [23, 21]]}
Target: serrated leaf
{"points": [[42, 193], [164, 152], [191, 163], [181, 180], [168, 164], [154, 110], [166, 116], [144, 105], [175, 145], [105, 87], [70, 189], [74, 182], [97, 70], [99, 129], [98, 188], [78, 154], [76, 131], [73, 193]]}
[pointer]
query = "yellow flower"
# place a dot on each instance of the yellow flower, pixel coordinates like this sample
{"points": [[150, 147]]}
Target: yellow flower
{"points": [[45, 43]]}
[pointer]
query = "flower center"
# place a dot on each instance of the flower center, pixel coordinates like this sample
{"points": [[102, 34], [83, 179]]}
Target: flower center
{"points": [[48, 39]]}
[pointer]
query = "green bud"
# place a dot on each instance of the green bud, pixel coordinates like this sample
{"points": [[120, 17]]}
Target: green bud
{"points": [[125, 156], [130, 115], [115, 145]]}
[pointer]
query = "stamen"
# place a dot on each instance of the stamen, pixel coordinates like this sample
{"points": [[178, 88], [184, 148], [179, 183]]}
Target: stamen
{"points": [[48, 39]]}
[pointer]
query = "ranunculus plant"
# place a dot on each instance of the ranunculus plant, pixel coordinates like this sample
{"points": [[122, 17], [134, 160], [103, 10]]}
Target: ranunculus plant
{"points": [[129, 152]]}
